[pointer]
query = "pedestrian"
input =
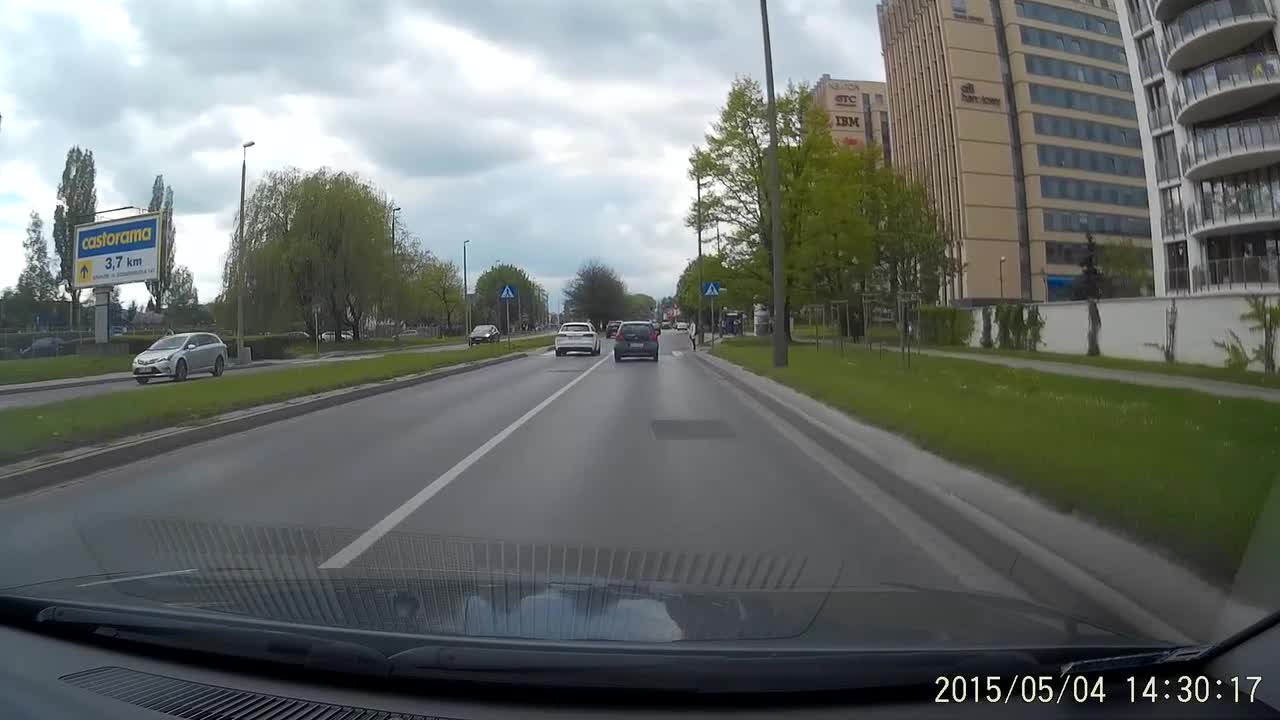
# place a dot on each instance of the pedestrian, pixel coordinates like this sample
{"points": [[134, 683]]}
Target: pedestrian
{"points": [[693, 335]]}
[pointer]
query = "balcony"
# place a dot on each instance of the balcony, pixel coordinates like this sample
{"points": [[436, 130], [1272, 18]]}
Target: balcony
{"points": [[1226, 87], [1167, 10], [1250, 208], [1150, 69], [1230, 149], [1159, 120], [1215, 29]]}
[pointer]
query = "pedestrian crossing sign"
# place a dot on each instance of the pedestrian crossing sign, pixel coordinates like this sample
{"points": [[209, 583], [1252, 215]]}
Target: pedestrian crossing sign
{"points": [[711, 289], [508, 293]]}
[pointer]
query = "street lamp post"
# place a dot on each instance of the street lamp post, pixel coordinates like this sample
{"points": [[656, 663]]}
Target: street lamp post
{"points": [[244, 159], [1002, 259], [466, 293], [775, 203], [395, 271], [697, 178]]}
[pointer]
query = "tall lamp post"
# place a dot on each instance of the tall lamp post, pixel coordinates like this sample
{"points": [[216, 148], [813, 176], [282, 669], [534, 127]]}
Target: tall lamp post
{"points": [[1002, 259], [775, 203], [244, 159], [697, 178], [395, 271], [466, 291]]}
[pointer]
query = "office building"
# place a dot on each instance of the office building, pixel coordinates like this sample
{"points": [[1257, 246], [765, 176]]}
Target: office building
{"points": [[1209, 112], [859, 112], [1018, 117]]}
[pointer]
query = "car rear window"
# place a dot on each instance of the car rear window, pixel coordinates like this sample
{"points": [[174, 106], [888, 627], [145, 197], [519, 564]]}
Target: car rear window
{"points": [[637, 330], [576, 327]]}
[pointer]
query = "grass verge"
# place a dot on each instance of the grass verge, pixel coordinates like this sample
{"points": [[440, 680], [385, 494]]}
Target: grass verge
{"points": [[56, 368], [1186, 471], [31, 430], [1208, 372], [304, 349]]}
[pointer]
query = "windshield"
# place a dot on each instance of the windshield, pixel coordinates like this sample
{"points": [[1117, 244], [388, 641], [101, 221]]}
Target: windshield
{"points": [[970, 318], [172, 342]]}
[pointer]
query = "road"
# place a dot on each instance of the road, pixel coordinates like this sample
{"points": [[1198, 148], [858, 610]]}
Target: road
{"points": [[44, 396], [662, 459]]}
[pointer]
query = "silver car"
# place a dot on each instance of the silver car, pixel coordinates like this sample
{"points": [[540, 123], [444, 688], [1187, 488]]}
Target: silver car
{"points": [[177, 356]]}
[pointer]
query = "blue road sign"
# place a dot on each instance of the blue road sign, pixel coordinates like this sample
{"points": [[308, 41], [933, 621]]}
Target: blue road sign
{"points": [[508, 293], [711, 289]]}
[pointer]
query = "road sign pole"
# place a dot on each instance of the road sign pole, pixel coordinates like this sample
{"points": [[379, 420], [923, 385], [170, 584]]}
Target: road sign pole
{"points": [[507, 304], [713, 322]]}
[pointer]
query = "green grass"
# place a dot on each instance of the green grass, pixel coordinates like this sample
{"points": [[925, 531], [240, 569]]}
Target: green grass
{"points": [[1208, 372], [67, 366], [1186, 471], [31, 430]]}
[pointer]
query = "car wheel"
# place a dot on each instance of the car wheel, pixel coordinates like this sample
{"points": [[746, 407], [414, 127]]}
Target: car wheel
{"points": [[559, 353], [218, 367], [142, 381], [180, 371]]}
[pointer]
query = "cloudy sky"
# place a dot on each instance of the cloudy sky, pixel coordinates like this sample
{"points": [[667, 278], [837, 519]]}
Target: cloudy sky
{"points": [[545, 131]]}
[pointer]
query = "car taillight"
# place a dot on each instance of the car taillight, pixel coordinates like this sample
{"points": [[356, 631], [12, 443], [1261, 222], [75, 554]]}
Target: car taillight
{"points": [[653, 335], [562, 335]]}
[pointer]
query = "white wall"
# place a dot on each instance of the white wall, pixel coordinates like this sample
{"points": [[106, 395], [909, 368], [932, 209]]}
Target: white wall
{"points": [[1129, 323]]}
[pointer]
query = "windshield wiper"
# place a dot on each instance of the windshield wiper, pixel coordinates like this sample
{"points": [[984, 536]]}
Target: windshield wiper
{"points": [[272, 646], [1114, 663]]}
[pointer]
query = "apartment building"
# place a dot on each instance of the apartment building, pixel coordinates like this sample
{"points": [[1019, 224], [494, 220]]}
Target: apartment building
{"points": [[1018, 116], [1209, 112], [858, 111]]}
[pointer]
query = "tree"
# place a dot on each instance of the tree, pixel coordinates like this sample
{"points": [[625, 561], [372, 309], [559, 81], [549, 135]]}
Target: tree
{"points": [[36, 280], [162, 202], [1089, 287], [442, 282], [489, 307], [597, 293], [131, 312], [1126, 268], [640, 306], [184, 301], [77, 204]]}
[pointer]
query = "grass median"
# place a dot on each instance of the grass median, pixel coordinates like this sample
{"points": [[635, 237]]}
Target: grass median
{"points": [[45, 428], [67, 366], [1207, 372], [1186, 471]]}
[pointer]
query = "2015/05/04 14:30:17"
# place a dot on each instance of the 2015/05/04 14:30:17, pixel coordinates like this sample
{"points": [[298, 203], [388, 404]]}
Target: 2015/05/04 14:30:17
{"points": [[1193, 688]]}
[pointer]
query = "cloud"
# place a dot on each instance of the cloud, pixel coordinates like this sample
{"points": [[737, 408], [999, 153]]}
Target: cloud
{"points": [[545, 131]]}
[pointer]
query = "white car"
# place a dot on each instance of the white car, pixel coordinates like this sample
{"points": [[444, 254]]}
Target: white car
{"points": [[176, 356], [682, 326], [577, 337]]}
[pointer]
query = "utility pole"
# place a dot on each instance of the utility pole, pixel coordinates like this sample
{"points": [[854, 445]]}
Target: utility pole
{"points": [[775, 203], [466, 295], [244, 159], [394, 270], [697, 178]]}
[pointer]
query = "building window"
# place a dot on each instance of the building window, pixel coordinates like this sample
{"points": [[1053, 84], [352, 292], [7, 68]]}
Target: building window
{"points": [[1082, 101], [1066, 70], [1101, 223], [1090, 191], [1090, 160], [1066, 18]]}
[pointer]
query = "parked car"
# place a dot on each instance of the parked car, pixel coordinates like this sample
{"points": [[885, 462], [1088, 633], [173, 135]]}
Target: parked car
{"points": [[176, 356], [484, 334], [682, 326], [407, 333], [577, 337], [636, 339], [612, 328], [45, 347], [329, 336], [298, 335], [666, 324]]}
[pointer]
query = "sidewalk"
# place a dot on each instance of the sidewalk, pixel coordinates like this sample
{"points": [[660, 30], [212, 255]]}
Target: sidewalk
{"points": [[1135, 377], [1061, 559]]}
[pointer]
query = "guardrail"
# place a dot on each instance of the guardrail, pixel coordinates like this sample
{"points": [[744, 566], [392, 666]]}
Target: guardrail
{"points": [[1206, 144]]}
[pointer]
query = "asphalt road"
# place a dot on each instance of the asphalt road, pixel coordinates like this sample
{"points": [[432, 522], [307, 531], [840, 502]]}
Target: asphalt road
{"points": [[661, 460], [41, 397]]}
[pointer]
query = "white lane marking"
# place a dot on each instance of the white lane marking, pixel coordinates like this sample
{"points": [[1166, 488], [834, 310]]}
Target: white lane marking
{"points": [[677, 353], [366, 540], [140, 577]]}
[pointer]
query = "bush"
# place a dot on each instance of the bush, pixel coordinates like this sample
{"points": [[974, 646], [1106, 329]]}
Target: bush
{"points": [[262, 347], [945, 326], [1013, 327]]}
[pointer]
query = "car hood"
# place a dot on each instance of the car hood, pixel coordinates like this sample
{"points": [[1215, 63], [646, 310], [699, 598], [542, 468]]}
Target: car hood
{"points": [[156, 354], [459, 604]]}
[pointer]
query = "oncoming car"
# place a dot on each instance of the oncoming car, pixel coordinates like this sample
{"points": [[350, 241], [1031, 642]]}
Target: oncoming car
{"points": [[177, 356], [577, 337], [484, 334]]}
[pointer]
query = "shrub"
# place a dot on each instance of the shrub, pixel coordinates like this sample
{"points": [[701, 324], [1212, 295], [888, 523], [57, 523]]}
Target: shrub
{"points": [[986, 329], [1237, 355], [1013, 330], [1035, 324], [945, 326]]}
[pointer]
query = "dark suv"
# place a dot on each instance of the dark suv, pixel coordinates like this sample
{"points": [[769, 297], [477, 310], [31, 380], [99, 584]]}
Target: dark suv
{"points": [[612, 328], [636, 339]]}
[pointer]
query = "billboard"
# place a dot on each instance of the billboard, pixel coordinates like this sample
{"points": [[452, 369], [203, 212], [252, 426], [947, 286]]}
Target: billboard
{"points": [[117, 252]]}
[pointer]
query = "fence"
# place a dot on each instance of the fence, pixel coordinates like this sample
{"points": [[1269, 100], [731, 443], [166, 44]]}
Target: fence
{"points": [[1139, 328]]}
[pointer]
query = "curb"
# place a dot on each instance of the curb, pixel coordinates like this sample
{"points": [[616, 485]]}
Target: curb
{"points": [[1047, 577], [36, 474]]}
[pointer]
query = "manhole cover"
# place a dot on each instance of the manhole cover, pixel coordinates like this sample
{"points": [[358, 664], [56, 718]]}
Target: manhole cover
{"points": [[691, 429]]}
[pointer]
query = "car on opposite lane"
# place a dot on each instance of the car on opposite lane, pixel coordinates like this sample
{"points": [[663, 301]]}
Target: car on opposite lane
{"points": [[612, 328], [577, 337], [176, 356], [484, 334], [682, 326], [636, 338]]}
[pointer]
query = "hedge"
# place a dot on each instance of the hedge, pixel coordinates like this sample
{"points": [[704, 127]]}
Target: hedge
{"points": [[945, 325]]}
